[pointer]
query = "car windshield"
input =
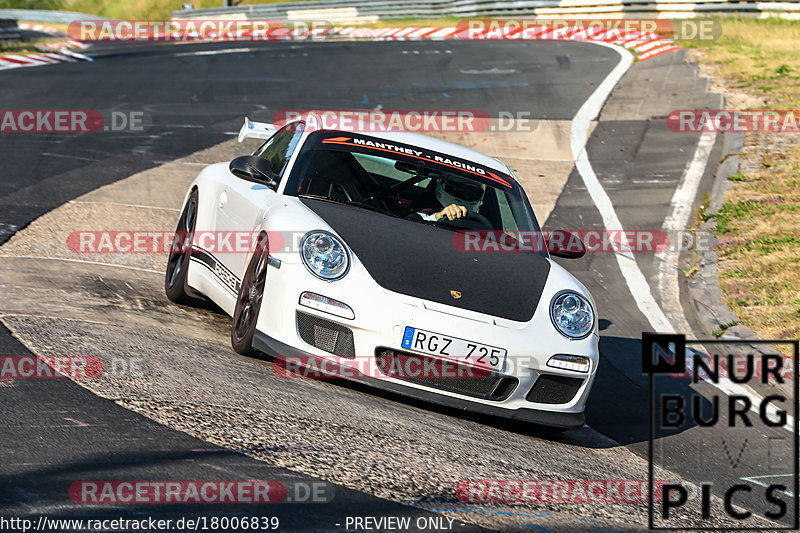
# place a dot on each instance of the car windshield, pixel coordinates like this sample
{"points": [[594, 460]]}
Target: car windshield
{"points": [[408, 182]]}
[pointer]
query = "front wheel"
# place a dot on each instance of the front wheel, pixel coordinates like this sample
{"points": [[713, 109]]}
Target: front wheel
{"points": [[248, 302], [178, 263]]}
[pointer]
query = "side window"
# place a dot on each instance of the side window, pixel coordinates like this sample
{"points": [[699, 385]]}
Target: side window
{"points": [[506, 214], [278, 149]]}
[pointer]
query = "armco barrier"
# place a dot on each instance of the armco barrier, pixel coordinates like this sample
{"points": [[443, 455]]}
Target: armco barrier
{"points": [[44, 15], [49, 52], [9, 32]]}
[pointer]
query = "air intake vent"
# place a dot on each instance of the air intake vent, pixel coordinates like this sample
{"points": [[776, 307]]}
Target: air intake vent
{"points": [[326, 335], [489, 386], [554, 389]]}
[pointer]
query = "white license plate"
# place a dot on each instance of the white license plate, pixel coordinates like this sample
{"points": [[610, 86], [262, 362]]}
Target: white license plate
{"points": [[464, 351]]}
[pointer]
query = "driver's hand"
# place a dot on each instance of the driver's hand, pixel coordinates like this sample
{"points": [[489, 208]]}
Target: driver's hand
{"points": [[452, 212]]}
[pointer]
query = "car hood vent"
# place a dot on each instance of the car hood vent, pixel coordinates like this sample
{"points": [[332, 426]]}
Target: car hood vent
{"points": [[421, 261]]}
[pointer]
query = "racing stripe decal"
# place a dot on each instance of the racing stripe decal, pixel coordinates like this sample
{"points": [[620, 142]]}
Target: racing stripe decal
{"points": [[488, 175], [228, 279]]}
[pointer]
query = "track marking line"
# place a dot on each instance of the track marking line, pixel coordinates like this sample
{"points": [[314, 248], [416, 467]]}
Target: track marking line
{"points": [[49, 317], [126, 205], [77, 423], [579, 135], [192, 163], [216, 52], [755, 481], [66, 156], [637, 283], [667, 285], [79, 261], [678, 218]]}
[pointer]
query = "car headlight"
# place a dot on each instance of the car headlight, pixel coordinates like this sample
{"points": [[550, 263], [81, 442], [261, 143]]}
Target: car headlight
{"points": [[324, 255], [572, 315]]}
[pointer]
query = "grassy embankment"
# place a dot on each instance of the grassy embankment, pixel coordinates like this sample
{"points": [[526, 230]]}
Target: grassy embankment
{"points": [[757, 63]]}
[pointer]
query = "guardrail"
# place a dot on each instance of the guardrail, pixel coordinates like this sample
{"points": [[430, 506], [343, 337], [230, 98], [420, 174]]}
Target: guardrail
{"points": [[45, 15], [9, 32], [355, 10]]}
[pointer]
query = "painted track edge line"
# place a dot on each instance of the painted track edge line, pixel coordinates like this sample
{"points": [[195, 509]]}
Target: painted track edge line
{"points": [[635, 279], [589, 111], [83, 261]]}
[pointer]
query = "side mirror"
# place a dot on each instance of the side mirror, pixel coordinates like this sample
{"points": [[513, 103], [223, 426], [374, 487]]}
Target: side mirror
{"points": [[566, 244], [254, 168]]}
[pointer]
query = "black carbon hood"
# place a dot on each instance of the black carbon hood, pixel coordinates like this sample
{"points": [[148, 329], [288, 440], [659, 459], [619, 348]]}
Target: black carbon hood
{"points": [[420, 260]]}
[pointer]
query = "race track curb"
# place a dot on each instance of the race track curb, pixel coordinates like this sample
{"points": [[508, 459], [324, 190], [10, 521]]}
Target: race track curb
{"points": [[642, 45], [705, 294], [706, 297], [50, 54]]}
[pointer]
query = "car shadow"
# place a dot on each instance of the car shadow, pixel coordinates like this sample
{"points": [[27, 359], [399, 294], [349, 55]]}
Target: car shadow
{"points": [[618, 405]]}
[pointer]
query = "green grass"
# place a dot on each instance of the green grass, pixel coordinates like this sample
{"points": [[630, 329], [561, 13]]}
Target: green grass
{"points": [[25, 47], [757, 54], [758, 226]]}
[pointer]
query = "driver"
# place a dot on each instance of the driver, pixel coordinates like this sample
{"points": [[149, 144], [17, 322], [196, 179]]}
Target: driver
{"points": [[458, 196]]}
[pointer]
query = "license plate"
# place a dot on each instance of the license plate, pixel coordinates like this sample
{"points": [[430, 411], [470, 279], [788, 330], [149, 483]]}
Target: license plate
{"points": [[464, 351]]}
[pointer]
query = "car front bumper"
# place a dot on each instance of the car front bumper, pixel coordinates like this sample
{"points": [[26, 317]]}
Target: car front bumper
{"points": [[380, 317], [278, 349]]}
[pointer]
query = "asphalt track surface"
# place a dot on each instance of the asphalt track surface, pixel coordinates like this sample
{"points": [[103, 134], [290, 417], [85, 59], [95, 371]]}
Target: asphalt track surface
{"points": [[192, 100]]}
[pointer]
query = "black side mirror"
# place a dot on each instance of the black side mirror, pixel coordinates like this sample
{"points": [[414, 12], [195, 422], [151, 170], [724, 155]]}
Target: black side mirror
{"points": [[254, 168], [566, 244]]}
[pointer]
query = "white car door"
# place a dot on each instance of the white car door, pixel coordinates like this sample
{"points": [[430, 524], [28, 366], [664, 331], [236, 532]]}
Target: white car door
{"points": [[243, 204]]}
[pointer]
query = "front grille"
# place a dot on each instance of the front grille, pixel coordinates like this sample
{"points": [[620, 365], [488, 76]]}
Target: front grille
{"points": [[444, 374], [554, 389], [326, 335]]}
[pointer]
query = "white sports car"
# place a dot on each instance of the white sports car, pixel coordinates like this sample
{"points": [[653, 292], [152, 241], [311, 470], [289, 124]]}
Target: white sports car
{"points": [[378, 253]]}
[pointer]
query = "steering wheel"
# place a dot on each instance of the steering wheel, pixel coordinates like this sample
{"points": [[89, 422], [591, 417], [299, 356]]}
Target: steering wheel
{"points": [[394, 189], [473, 220]]}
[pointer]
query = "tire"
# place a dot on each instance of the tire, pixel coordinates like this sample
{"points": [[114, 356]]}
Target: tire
{"points": [[248, 302], [178, 263]]}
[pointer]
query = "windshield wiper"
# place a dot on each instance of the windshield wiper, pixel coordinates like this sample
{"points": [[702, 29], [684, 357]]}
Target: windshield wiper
{"points": [[435, 224]]}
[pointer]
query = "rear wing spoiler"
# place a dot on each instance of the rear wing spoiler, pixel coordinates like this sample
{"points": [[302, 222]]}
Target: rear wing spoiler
{"points": [[256, 130]]}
